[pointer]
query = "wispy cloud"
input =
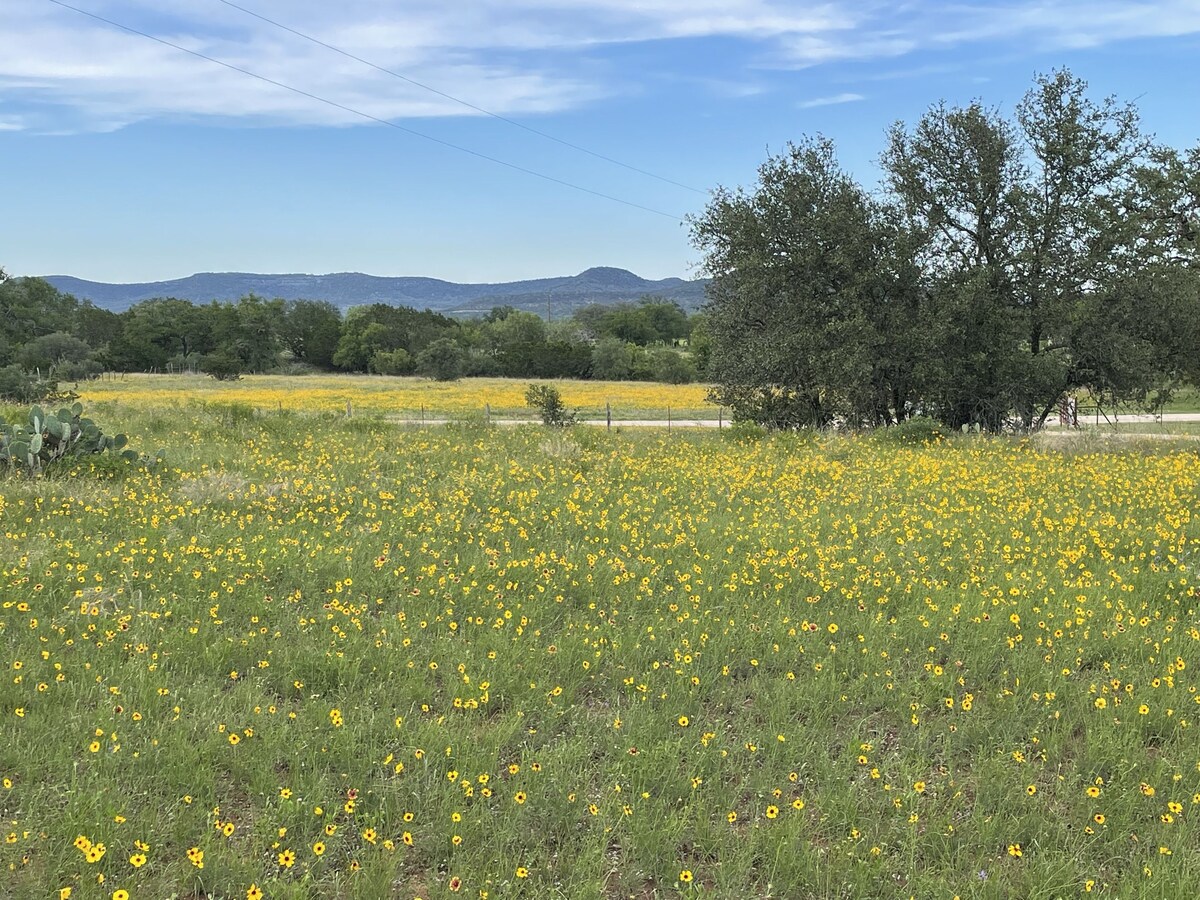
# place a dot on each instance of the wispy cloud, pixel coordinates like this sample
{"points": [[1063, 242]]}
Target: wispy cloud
{"points": [[61, 71], [1034, 24], [829, 101]]}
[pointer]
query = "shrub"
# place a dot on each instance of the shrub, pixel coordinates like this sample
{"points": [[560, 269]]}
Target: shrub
{"points": [[673, 368], [482, 366], [51, 350], [612, 360], [222, 365], [442, 360], [918, 430], [81, 370], [546, 399], [743, 432], [19, 386], [391, 362]]}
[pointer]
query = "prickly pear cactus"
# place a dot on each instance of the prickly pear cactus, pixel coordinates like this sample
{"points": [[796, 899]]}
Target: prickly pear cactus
{"points": [[51, 437]]}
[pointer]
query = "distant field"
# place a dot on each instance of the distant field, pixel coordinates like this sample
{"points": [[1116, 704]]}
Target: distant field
{"points": [[402, 397], [329, 658], [1185, 400]]}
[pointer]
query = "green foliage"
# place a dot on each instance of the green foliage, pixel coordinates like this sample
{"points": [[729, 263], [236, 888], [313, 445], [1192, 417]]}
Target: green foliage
{"points": [[310, 330], [442, 360], [222, 365], [918, 430], [981, 287], [366, 330], [155, 331], [650, 321], [671, 367], [546, 399], [41, 328], [700, 344], [795, 330], [31, 308], [84, 370], [48, 440], [20, 386], [51, 350], [743, 432], [392, 362], [612, 359]]}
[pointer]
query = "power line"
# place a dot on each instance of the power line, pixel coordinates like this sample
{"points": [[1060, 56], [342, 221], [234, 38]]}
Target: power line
{"points": [[458, 100], [365, 115]]}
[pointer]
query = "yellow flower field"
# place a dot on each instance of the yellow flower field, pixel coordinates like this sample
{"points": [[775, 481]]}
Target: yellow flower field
{"points": [[401, 397], [323, 658]]}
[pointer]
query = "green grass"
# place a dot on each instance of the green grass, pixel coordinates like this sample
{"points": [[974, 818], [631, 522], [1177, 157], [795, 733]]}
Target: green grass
{"points": [[1185, 400], [587, 650]]}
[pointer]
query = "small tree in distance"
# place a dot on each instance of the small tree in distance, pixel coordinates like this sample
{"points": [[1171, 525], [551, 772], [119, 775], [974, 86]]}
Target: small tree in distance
{"points": [[222, 365], [546, 399]]}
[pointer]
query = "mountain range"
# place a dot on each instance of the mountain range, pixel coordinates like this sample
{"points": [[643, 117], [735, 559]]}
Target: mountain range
{"points": [[561, 296]]}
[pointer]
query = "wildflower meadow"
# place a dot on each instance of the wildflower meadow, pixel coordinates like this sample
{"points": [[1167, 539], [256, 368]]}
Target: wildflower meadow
{"points": [[320, 657]]}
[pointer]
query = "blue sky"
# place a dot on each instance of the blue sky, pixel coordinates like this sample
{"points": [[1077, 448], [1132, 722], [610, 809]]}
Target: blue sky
{"points": [[127, 160]]}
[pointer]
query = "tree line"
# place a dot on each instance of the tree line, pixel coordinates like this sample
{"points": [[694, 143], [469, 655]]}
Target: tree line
{"points": [[47, 335], [1004, 263]]}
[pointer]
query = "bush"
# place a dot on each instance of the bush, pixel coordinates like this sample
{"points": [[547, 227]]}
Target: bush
{"points": [[82, 370], [480, 365], [391, 362], [442, 360], [612, 360], [742, 432], [673, 368], [918, 430], [19, 386], [222, 365], [548, 402], [50, 350]]}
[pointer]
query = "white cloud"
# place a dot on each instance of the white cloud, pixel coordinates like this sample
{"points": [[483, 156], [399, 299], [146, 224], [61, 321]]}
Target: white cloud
{"points": [[1072, 23], [60, 70], [829, 101]]}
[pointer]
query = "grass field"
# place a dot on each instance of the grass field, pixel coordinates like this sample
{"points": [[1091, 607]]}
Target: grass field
{"points": [[1185, 400], [329, 658]]}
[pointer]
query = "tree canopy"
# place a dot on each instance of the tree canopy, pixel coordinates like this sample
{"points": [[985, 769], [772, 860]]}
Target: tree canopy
{"points": [[1007, 261]]}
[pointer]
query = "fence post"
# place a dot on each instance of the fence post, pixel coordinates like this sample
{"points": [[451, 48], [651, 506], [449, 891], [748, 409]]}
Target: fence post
{"points": [[720, 417], [487, 413], [668, 418], [349, 409], [608, 415], [422, 413]]}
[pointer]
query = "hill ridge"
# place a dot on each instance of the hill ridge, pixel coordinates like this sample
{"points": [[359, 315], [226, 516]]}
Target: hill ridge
{"points": [[599, 284]]}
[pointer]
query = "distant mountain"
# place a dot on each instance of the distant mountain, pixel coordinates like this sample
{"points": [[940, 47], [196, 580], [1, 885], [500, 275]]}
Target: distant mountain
{"points": [[346, 289]]}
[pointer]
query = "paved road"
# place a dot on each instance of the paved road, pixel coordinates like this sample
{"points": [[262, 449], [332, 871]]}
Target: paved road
{"points": [[616, 423], [1128, 419], [1131, 418]]}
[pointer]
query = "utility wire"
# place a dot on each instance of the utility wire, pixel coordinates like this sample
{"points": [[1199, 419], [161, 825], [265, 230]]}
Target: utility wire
{"points": [[365, 115], [458, 100]]}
